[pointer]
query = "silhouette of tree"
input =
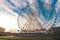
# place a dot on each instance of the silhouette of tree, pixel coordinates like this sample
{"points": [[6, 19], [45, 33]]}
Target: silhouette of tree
{"points": [[2, 29]]}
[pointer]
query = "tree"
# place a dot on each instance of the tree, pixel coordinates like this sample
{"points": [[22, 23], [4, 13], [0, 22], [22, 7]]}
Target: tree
{"points": [[2, 29]]}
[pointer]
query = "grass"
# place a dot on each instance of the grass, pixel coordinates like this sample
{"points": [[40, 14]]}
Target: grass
{"points": [[21, 38], [27, 38]]}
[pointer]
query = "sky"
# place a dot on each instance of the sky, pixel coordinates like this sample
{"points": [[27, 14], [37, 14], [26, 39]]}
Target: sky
{"points": [[8, 21], [10, 9]]}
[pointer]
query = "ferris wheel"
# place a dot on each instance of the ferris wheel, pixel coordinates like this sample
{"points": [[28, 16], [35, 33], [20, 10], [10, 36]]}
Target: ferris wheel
{"points": [[36, 17]]}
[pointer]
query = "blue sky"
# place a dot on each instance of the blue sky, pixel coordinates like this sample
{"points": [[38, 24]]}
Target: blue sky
{"points": [[47, 16], [18, 7]]}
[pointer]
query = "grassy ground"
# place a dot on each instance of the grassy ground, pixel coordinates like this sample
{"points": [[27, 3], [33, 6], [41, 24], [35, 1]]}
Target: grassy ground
{"points": [[21, 38], [27, 38]]}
